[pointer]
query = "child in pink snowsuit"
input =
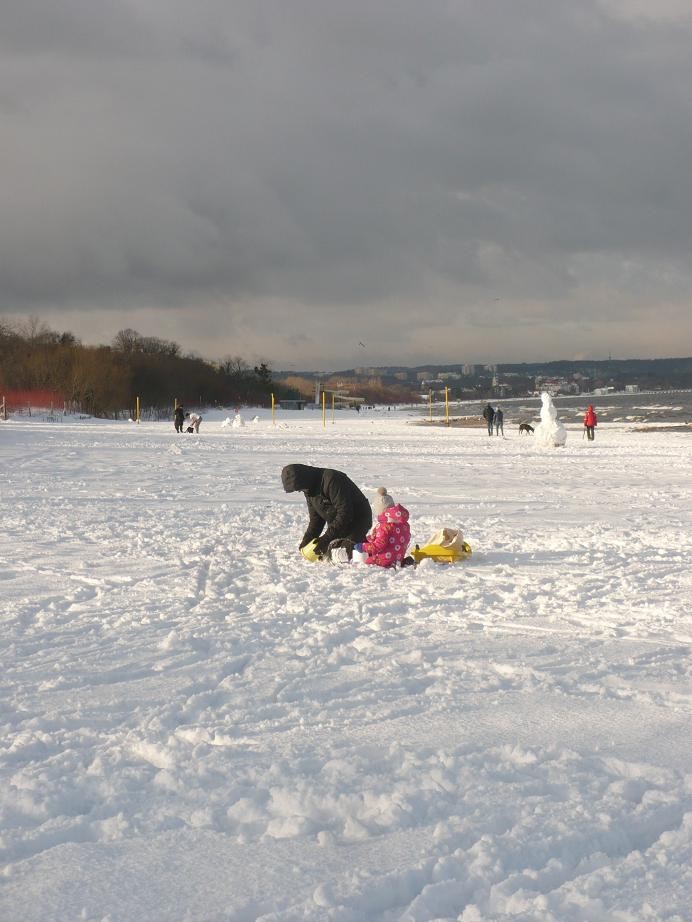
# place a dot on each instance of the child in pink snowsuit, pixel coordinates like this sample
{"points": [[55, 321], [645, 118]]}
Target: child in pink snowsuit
{"points": [[387, 542]]}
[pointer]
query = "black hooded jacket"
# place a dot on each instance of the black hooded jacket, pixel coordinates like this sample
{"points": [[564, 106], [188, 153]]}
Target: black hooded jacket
{"points": [[332, 498]]}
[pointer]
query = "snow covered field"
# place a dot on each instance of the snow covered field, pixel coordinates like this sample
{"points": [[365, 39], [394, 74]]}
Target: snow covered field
{"points": [[197, 724]]}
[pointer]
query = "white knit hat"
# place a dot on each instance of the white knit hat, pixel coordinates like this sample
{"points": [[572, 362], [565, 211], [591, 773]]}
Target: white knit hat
{"points": [[382, 501]]}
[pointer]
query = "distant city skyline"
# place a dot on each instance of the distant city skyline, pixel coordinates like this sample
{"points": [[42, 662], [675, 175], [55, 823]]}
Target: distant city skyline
{"points": [[326, 185]]}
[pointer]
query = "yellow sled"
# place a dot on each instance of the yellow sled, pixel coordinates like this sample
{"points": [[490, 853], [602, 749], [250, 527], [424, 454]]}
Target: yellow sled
{"points": [[446, 546]]}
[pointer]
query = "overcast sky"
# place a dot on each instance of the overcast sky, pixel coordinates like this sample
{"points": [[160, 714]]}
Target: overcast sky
{"points": [[453, 181]]}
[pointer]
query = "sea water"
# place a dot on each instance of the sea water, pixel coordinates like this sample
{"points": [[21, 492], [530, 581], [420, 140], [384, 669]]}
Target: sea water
{"points": [[673, 407]]}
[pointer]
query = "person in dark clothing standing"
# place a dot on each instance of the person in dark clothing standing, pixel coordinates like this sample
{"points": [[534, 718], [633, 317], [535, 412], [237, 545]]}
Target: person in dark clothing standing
{"points": [[499, 420], [179, 418], [489, 416], [333, 500]]}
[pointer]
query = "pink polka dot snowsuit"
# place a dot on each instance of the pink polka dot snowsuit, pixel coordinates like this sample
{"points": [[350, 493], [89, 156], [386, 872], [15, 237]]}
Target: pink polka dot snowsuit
{"points": [[389, 539]]}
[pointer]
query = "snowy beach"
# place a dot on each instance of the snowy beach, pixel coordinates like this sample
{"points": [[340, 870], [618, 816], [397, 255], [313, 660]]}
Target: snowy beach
{"points": [[198, 724]]}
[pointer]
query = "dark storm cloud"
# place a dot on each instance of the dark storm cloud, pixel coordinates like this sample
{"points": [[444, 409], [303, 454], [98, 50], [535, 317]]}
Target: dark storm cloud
{"points": [[221, 166]]}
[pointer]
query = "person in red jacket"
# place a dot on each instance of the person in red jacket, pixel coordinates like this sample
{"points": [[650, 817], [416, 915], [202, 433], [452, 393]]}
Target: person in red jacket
{"points": [[590, 422], [386, 544]]}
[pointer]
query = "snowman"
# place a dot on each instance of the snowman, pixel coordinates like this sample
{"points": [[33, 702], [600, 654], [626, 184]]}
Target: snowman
{"points": [[549, 432]]}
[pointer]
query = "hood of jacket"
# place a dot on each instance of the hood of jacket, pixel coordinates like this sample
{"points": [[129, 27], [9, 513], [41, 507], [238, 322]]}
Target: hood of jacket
{"points": [[301, 477], [395, 513]]}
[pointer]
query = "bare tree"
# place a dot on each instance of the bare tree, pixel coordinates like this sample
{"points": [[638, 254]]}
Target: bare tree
{"points": [[153, 345], [234, 366], [35, 330], [7, 329], [127, 341]]}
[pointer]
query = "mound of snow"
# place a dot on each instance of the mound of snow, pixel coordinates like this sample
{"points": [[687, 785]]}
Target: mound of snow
{"points": [[550, 432]]}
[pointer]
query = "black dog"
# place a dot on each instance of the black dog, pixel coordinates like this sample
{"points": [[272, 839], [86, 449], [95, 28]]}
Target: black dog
{"points": [[525, 427]]}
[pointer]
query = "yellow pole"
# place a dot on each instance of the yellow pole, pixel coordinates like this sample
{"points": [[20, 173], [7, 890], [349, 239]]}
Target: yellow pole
{"points": [[324, 411], [332, 409], [446, 406], [430, 402], [175, 403], [137, 415], [273, 416]]}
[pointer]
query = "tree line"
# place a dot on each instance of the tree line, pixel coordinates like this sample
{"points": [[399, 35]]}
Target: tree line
{"points": [[105, 380], [370, 389]]}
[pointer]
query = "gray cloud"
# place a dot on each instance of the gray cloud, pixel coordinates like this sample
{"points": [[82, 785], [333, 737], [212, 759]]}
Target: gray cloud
{"points": [[460, 181]]}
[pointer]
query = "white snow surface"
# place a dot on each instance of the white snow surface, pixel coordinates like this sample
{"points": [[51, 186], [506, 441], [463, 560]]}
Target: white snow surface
{"points": [[198, 724]]}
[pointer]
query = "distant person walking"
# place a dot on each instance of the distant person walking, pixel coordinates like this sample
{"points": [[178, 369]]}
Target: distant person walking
{"points": [[499, 422], [179, 418], [488, 416], [590, 422]]}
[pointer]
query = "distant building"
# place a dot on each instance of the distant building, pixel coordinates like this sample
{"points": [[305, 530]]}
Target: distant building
{"points": [[502, 390], [556, 385], [468, 371], [291, 404], [631, 388]]}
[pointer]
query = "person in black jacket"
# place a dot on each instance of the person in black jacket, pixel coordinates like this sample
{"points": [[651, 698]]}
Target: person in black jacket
{"points": [[179, 417], [333, 500], [488, 416]]}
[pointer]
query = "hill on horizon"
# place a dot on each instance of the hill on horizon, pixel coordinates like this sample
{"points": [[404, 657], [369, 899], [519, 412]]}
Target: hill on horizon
{"points": [[554, 366]]}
